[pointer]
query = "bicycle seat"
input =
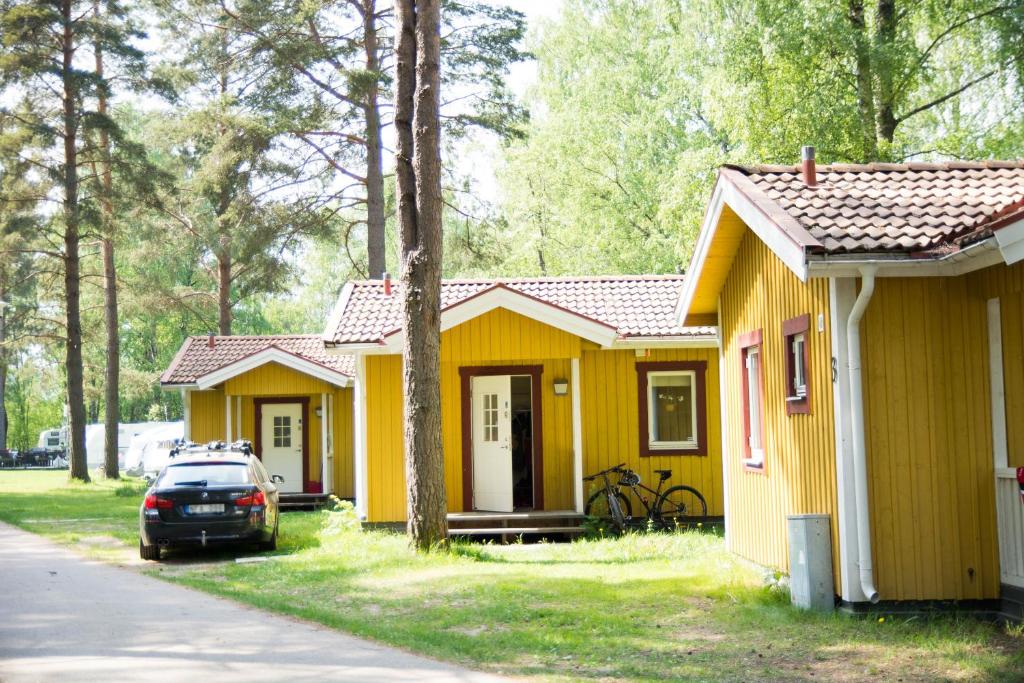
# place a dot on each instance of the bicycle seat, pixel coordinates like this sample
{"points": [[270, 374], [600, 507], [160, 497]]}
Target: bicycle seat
{"points": [[664, 475]]}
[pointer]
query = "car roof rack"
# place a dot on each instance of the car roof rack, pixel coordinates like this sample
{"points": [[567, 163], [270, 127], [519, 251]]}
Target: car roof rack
{"points": [[241, 447]]}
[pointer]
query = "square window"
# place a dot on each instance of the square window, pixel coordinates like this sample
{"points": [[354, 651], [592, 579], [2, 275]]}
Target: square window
{"points": [[795, 336], [672, 408]]}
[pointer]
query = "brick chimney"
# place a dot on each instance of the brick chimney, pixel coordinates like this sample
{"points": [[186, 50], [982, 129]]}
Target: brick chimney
{"points": [[211, 341], [810, 171], [387, 284]]}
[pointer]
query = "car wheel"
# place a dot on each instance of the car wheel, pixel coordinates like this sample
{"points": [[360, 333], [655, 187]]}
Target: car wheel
{"points": [[272, 543], [149, 552]]}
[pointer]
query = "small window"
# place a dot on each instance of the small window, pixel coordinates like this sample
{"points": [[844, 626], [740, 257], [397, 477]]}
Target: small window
{"points": [[752, 372], [795, 336], [490, 417], [282, 431], [672, 410]]}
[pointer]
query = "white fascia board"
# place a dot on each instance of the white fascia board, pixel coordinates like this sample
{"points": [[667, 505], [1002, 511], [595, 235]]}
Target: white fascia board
{"points": [[1010, 239], [788, 251], [703, 342], [700, 251], [774, 237], [502, 297], [339, 310], [174, 387], [975, 257], [273, 355], [359, 349]]}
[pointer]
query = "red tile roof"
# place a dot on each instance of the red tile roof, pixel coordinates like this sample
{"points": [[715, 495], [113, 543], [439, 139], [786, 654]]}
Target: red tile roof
{"points": [[638, 306], [892, 208], [196, 359]]}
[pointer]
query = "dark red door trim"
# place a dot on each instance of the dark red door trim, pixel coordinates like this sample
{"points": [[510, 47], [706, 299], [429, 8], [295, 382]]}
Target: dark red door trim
{"points": [[307, 485], [466, 375]]}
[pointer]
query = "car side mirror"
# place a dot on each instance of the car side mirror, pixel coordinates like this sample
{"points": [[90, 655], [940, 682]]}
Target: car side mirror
{"points": [[277, 478]]}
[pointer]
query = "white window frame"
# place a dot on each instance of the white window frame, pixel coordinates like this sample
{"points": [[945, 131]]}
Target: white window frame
{"points": [[799, 379], [755, 405], [654, 444]]}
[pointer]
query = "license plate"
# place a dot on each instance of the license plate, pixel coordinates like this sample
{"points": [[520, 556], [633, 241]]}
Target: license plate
{"points": [[204, 509]]}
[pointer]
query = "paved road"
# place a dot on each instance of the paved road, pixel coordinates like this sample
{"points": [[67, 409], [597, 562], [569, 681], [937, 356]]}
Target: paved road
{"points": [[66, 618]]}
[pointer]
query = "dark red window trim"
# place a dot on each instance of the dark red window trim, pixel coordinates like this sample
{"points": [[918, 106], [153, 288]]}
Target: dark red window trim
{"points": [[791, 328], [258, 403], [746, 341], [466, 375], [699, 369]]}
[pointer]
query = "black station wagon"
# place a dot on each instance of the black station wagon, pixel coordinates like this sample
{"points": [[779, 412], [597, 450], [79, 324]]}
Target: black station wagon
{"points": [[210, 495]]}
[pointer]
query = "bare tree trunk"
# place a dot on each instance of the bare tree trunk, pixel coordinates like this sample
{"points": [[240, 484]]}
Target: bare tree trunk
{"points": [[375, 244], [3, 372], [112, 373], [72, 294], [865, 87], [224, 286], [418, 170], [885, 37]]}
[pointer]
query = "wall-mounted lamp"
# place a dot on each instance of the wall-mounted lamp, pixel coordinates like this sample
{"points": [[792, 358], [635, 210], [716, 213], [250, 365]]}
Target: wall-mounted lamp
{"points": [[319, 412], [561, 387]]}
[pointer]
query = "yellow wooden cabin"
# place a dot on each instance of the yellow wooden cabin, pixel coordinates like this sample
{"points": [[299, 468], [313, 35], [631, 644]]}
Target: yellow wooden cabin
{"points": [[871, 323], [283, 393], [570, 375]]}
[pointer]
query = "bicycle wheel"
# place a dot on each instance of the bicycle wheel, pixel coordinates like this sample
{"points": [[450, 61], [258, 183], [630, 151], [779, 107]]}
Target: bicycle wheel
{"points": [[682, 507], [597, 505]]}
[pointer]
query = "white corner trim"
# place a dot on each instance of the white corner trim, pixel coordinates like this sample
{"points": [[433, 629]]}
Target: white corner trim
{"points": [[723, 410], [503, 297], [1000, 451], [273, 355], [577, 436], [334, 319], [726, 193], [1011, 242], [359, 462], [186, 403]]}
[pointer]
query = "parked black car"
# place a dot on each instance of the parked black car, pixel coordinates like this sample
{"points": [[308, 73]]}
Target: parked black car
{"points": [[211, 494]]}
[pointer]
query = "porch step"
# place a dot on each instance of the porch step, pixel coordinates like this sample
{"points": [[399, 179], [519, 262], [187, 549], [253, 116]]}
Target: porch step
{"points": [[516, 531]]}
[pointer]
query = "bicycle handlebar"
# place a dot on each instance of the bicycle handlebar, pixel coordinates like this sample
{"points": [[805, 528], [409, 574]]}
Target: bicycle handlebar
{"points": [[617, 468]]}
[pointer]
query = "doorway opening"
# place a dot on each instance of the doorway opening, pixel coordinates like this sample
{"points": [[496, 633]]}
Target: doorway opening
{"points": [[522, 442]]}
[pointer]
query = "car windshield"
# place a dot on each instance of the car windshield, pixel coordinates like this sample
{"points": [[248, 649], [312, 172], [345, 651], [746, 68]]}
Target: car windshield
{"points": [[204, 474]]}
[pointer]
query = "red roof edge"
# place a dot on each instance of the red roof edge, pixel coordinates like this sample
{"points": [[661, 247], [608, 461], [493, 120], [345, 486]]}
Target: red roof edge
{"points": [[176, 361]]}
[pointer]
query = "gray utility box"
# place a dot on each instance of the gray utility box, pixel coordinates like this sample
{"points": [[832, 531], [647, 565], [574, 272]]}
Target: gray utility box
{"points": [[810, 562]]}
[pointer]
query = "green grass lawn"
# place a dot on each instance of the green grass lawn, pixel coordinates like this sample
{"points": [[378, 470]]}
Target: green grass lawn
{"points": [[637, 608]]}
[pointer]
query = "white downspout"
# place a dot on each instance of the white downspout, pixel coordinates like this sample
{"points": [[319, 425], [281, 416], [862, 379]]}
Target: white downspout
{"points": [[860, 469]]}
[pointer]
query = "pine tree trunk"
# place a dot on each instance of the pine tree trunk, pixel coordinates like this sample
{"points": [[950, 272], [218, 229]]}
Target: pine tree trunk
{"points": [[112, 374], [72, 281], [418, 171], [3, 373], [224, 287], [375, 239], [885, 37], [865, 86]]}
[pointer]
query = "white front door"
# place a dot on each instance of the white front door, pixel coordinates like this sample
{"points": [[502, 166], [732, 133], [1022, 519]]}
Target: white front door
{"points": [[281, 443], [492, 448]]}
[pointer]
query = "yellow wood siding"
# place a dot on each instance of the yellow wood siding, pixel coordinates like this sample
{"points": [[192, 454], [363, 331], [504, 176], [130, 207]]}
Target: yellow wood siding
{"points": [[929, 446], [1007, 284], [799, 474], [500, 337], [609, 404], [272, 380], [207, 416]]}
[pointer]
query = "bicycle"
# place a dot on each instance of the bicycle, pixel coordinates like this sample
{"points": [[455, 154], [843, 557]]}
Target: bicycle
{"points": [[678, 507]]}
